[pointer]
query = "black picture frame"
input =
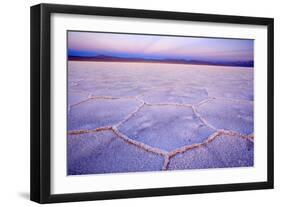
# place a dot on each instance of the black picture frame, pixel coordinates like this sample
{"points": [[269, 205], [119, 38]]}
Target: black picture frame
{"points": [[40, 184]]}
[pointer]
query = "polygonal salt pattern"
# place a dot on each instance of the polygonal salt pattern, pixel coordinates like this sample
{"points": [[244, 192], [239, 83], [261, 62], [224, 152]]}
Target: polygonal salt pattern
{"points": [[152, 111], [223, 151], [104, 152], [166, 127]]}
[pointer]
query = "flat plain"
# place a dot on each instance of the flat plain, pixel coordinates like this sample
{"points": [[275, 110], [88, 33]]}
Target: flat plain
{"points": [[134, 117]]}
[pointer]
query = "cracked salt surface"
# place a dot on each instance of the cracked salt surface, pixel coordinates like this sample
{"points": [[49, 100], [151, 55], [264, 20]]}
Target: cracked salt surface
{"points": [[129, 117]]}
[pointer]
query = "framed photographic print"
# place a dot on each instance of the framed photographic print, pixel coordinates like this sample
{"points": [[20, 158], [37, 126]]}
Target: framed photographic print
{"points": [[132, 103]]}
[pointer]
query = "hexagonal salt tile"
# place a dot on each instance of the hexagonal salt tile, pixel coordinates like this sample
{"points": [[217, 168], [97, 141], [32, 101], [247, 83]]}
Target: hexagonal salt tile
{"points": [[166, 127]]}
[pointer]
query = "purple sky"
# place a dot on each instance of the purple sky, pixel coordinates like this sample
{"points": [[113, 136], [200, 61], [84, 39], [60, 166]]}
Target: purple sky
{"points": [[153, 46]]}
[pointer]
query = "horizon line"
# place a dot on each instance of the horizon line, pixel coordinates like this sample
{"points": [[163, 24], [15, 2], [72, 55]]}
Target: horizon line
{"points": [[107, 58]]}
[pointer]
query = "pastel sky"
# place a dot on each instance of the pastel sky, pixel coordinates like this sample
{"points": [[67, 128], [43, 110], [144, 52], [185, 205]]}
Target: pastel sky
{"points": [[159, 47]]}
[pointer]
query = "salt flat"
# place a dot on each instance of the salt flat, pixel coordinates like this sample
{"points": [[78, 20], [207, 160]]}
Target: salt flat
{"points": [[130, 117]]}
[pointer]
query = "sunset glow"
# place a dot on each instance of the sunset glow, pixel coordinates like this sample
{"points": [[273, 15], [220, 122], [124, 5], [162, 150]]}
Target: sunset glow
{"points": [[159, 47]]}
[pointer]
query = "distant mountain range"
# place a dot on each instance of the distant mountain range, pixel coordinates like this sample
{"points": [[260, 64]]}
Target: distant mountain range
{"points": [[174, 61]]}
